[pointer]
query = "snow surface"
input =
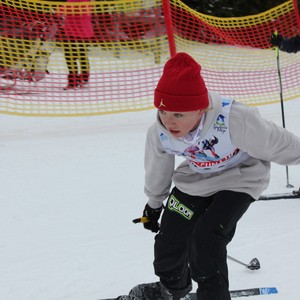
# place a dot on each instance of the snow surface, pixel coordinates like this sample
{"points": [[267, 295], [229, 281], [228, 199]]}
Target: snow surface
{"points": [[70, 188]]}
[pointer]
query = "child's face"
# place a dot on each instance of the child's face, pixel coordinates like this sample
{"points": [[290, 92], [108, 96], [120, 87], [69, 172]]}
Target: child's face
{"points": [[179, 124]]}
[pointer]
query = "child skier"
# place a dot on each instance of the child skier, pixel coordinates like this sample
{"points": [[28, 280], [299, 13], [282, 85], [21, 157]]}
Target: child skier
{"points": [[213, 187]]}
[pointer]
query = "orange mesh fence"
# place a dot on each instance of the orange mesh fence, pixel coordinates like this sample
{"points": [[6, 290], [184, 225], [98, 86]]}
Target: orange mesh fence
{"points": [[97, 57], [83, 58], [235, 53], [253, 31]]}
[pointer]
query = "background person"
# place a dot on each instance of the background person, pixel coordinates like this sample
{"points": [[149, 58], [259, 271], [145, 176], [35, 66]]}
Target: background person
{"points": [[289, 45], [78, 30]]}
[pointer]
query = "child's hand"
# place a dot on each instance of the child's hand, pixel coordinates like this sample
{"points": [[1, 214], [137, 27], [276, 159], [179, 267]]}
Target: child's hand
{"points": [[153, 215]]}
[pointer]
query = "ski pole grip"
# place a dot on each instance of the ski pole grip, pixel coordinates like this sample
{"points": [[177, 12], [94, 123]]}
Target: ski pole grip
{"points": [[141, 220]]}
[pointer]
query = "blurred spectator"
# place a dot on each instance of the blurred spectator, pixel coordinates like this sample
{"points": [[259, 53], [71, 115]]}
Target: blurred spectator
{"points": [[78, 31], [289, 45]]}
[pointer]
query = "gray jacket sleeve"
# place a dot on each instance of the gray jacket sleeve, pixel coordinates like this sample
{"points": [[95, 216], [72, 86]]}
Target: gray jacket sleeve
{"points": [[262, 139], [159, 168]]}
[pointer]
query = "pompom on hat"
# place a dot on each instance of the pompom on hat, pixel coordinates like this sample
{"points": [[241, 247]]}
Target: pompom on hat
{"points": [[181, 87]]}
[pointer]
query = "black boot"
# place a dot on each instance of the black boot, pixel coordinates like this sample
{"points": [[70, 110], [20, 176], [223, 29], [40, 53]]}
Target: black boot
{"points": [[156, 291], [72, 81], [85, 76]]}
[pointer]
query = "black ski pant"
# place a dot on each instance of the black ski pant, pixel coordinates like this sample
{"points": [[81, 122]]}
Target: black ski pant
{"points": [[76, 56], [192, 241]]}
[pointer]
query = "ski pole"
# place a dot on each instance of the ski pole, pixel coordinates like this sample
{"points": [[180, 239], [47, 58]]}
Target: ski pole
{"points": [[141, 220], [253, 264], [282, 106]]}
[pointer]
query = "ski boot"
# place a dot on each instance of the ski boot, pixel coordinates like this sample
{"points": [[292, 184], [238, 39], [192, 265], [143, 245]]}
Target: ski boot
{"points": [[83, 79], [157, 291], [72, 82]]}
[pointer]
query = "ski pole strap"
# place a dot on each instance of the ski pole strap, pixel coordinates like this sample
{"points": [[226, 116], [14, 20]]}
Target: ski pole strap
{"points": [[141, 220]]}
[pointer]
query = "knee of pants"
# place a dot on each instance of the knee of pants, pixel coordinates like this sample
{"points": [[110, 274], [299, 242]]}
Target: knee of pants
{"points": [[206, 240], [210, 236], [207, 253]]}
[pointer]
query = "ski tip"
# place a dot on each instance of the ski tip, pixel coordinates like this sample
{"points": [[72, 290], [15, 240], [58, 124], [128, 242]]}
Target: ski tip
{"points": [[268, 290]]}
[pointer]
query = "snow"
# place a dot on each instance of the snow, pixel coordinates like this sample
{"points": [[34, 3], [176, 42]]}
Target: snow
{"points": [[70, 188]]}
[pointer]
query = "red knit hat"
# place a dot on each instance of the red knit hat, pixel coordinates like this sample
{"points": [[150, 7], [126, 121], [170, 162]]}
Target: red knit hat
{"points": [[181, 87]]}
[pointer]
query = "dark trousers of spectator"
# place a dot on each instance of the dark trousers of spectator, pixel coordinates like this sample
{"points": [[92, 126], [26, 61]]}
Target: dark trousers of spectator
{"points": [[77, 60]]}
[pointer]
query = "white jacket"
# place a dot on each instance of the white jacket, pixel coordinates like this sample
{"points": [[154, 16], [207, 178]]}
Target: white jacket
{"points": [[262, 140]]}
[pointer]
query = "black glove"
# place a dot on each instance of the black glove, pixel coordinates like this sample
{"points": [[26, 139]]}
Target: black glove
{"points": [[276, 39], [153, 215]]}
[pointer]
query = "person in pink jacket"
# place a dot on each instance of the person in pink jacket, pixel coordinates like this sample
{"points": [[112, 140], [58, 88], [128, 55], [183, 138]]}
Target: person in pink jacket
{"points": [[78, 30]]}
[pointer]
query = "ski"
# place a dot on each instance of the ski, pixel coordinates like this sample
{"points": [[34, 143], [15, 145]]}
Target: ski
{"points": [[13, 91], [253, 292], [6, 87], [233, 293], [22, 93], [291, 195]]}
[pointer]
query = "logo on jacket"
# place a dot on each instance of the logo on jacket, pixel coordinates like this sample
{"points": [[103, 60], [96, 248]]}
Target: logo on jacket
{"points": [[220, 124], [163, 137], [225, 102], [204, 151]]}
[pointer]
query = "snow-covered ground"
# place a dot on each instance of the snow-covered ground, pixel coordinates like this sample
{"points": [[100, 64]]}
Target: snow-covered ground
{"points": [[70, 188]]}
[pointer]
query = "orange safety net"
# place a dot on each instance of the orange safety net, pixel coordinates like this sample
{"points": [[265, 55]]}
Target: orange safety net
{"points": [[95, 57], [253, 31], [236, 55]]}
